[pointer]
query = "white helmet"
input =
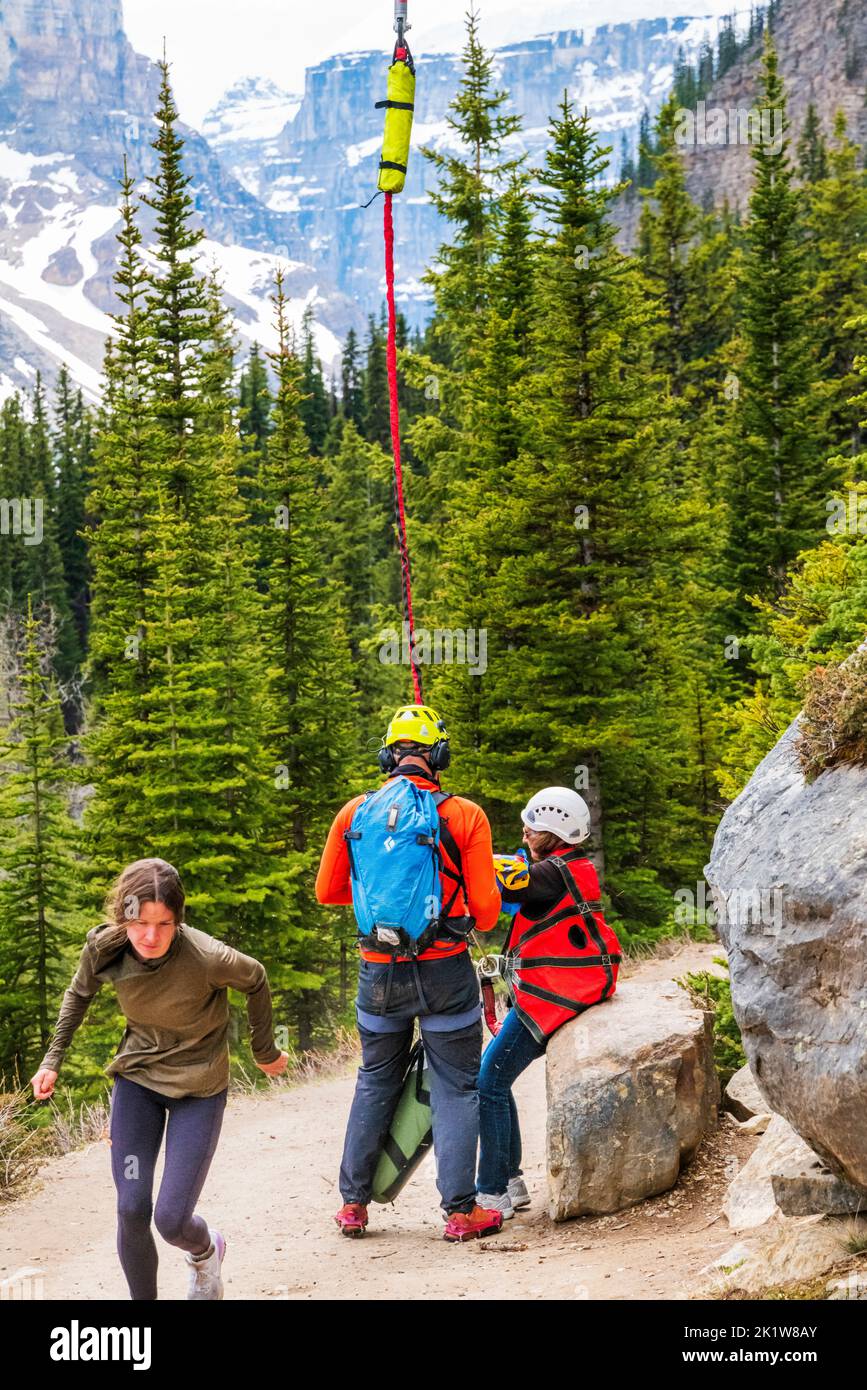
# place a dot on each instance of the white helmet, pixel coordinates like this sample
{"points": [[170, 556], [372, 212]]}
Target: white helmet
{"points": [[559, 810]]}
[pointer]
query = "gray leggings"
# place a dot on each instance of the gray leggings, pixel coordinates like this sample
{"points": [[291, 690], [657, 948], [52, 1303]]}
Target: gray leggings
{"points": [[138, 1120]]}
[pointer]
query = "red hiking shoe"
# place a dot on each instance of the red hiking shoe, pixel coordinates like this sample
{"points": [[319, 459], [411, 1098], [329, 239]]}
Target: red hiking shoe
{"points": [[352, 1219], [470, 1225]]}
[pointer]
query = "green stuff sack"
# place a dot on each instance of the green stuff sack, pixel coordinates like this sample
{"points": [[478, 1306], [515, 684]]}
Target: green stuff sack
{"points": [[410, 1136], [399, 106]]}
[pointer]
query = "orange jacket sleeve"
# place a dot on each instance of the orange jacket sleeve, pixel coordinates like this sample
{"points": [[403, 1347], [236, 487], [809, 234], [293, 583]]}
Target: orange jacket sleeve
{"points": [[332, 881], [477, 856]]}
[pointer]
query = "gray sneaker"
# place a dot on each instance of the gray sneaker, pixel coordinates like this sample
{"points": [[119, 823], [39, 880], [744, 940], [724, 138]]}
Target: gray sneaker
{"points": [[517, 1193], [206, 1281], [501, 1203]]}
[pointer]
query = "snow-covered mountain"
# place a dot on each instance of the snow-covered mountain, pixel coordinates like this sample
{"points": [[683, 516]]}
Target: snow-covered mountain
{"points": [[75, 99], [323, 164], [277, 179], [245, 127]]}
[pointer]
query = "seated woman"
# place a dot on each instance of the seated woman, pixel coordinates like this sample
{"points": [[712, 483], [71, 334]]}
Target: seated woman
{"points": [[560, 958]]}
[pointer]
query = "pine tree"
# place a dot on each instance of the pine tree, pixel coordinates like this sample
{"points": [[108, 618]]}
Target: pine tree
{"points": [[837, 232], [466, 189], [254, 423], [350, 376], [312, 729], [669, 225], [690, 286], [727, 47], [128, 456], [39, 883], [706, 72], [361, 558], [376, 421], [780, 478], [255, 403], [812, 148], [646, 174], [820, 619], [31, 563], [72, 444], [178, 300], [314, 400]]}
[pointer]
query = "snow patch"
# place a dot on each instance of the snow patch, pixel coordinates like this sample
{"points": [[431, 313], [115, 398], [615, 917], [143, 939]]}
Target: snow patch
{"points": [[253, 110], [66, 224], [18, 167], [356, 153], [85, 375]]}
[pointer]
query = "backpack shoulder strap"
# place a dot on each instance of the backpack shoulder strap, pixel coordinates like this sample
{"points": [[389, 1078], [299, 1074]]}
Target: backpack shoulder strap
{"points": [[451, 845]]}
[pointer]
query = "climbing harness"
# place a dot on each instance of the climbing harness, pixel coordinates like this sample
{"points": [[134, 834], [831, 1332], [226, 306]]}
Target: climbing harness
{"points": [[566, 961], [399, 106], [490, 968], [512, 871]]}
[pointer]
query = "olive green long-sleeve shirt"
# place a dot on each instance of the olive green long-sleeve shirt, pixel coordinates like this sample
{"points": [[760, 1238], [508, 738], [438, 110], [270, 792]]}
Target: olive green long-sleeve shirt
{"points": [[176, 1009]]}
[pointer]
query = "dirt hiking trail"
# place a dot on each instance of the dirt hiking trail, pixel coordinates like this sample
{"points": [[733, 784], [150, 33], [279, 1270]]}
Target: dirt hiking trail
{"points": [[272, 1191]]}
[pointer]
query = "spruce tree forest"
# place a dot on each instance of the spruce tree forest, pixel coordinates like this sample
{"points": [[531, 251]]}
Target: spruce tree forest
{"points": [[622, 468]]}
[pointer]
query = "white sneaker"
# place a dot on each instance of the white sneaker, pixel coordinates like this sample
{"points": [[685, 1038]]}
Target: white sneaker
{"points": [[206, 1281], [517, 1193], [501, 1203]]}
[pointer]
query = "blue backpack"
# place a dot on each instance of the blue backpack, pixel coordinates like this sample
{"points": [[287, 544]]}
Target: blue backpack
{"points": [[395, 864]]}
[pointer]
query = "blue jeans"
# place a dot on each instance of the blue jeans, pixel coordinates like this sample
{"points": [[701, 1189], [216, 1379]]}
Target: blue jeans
{"points": [[505, 1057], [447, 1007]]}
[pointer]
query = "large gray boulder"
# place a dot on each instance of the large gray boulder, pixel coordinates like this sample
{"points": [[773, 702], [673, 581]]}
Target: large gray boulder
{"points": [[788, 874], [632, 1089]]}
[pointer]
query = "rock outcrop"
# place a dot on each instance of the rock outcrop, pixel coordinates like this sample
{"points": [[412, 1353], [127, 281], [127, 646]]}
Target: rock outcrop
{"points": [[632, 1090], [788, 874], [784, 1176], [822, 50], [785, 1250], [743, 1099]]}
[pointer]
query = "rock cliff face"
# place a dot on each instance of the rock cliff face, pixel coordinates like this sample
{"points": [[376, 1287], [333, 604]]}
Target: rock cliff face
{"points": [[789, 879], [280, 178], [323, 165], [822, 48]]}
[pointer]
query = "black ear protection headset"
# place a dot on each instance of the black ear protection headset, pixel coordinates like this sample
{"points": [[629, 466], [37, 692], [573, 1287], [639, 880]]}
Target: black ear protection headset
{"points": [[438, 754]]}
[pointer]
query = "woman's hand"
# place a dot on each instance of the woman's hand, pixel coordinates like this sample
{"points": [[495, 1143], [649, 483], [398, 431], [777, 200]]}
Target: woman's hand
{"points": [[275, 1068], [43, 1083]]}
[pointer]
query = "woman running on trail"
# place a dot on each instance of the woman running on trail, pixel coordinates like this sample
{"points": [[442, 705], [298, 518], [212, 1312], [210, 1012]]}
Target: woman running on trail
{"points": [[561, 958], [171, 1071]]}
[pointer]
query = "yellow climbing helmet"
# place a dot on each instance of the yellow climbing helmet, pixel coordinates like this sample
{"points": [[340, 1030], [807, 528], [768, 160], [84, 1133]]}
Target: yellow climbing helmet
{"points": [[415, 724], [511, 871], [420, 725]]}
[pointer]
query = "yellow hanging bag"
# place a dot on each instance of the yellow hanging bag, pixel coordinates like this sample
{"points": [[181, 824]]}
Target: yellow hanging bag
{"points": [[399, 106]]}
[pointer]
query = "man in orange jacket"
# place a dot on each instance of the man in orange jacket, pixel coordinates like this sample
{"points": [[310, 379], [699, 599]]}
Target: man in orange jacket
{"points": [[438, 986]]}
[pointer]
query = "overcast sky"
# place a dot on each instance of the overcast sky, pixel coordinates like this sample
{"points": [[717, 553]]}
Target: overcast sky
{"points": [[213, 43]]}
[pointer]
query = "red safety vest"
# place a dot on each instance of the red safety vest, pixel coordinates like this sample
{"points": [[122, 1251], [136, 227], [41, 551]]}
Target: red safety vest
{"points": [[566, 961]]}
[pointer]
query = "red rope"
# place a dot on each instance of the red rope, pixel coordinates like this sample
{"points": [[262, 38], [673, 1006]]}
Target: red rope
{"points": [[489, 1005], [391, 362]]}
